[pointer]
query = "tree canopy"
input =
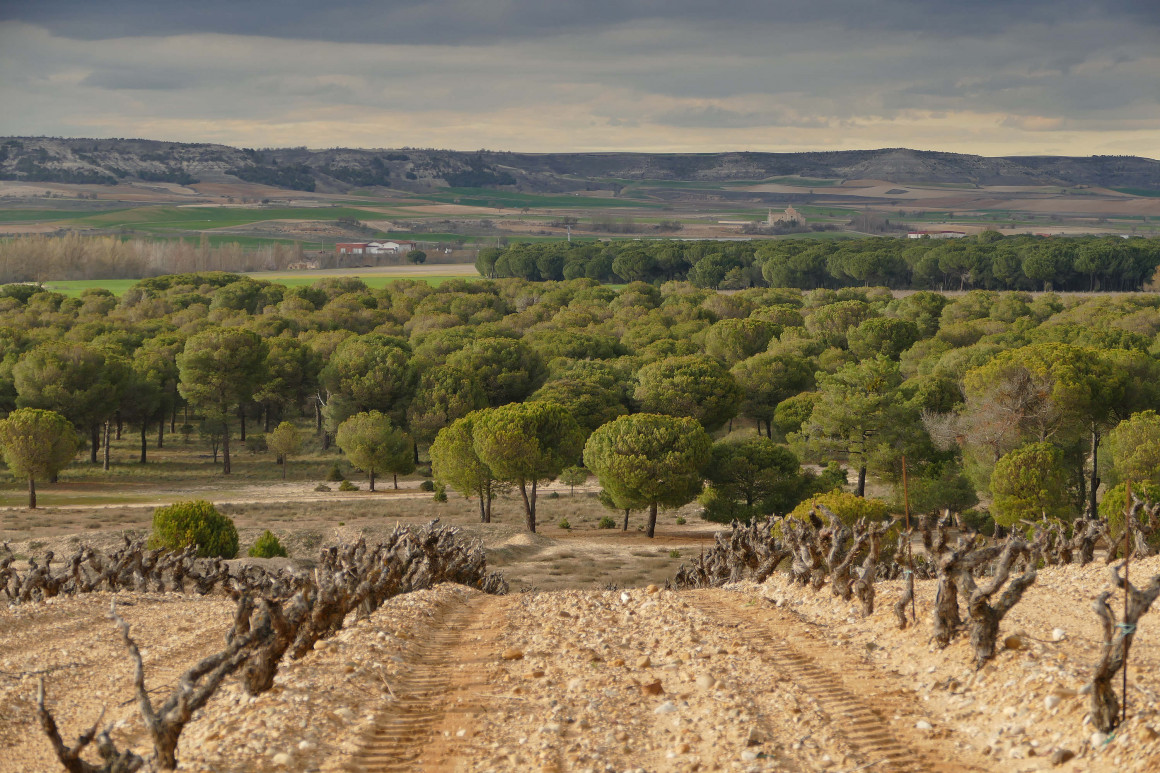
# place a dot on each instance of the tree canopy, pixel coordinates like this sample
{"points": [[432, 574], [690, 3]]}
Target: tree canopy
{"points": [[455, 462], [375, 445], [36, 444], [525, 443], [221, 368], [649, 460], [695, 386]]}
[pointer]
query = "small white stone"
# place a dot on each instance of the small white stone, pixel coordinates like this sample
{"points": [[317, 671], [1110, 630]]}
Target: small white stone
{"points": [[1098, 739], [305, 746], [1058, 634], [281, 758], [1051, 701], [668, 707], [922, 724]]}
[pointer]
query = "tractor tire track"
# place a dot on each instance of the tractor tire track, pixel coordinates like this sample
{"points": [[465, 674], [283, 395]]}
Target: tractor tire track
{"points": [[856, 718], [426, 726]]}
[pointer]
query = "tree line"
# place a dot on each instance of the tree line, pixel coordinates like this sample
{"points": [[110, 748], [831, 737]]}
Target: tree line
{"points": [[752, 401], [987, 261], [39, 258]]}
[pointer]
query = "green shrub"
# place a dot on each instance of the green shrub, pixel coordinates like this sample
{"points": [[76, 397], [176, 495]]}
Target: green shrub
{"points": [[553, 495], [267, 546], [848, 507], [440, 493], [256, 443], [335, 475], [718, 508], [1115, 501], [939, 487], [979, 520], [427, 485], [606, 523], [195, 522], [564, 524], [674, 554], [681, 520], [1029, 483], [346, 485], [322, 487]]}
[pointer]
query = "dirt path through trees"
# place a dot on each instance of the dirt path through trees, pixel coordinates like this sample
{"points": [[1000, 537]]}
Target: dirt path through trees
{"points": [[441, 692]]}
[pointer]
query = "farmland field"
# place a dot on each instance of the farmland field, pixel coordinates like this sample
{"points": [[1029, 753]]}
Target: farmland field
{"points": [[381, 276]]}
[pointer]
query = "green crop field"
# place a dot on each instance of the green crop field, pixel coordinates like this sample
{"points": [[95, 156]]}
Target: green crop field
{"points": [[485, 197], [75, 287], [1149, 192], [37, 215]]}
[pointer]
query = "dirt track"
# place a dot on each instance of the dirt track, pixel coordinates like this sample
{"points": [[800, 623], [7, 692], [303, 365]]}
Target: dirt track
{"points": [[771, 677]]}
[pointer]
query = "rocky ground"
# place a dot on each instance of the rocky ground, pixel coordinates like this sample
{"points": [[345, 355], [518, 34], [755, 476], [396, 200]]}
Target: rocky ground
{"points": [[769, 677]]}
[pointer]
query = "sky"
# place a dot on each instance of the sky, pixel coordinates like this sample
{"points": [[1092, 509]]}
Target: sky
{"points": [[991, 77]]}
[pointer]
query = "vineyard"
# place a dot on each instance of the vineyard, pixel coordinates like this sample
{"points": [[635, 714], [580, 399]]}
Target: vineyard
{"points": [[768, 649]]}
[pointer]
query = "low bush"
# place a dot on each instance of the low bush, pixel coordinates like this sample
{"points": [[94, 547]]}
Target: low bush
{"points": [[322, 487], [196, 522], [440, 493], [256, 443], [674, 554], [1115, 502], [564, 524], [606, 523], [979, 520], [681, 520], [721, 509], [427, 485], [267, 546], [335, 475], [346, 485], [848, 507]]}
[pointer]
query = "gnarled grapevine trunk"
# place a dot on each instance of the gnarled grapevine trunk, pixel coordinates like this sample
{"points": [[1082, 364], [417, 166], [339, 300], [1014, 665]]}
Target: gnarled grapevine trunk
{"points": [[985, 618], [864, 585], [1118, 636]]}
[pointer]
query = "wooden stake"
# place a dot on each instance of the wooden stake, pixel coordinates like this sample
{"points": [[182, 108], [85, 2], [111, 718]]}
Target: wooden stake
{"points": [[1127, 593], [909, 540]]}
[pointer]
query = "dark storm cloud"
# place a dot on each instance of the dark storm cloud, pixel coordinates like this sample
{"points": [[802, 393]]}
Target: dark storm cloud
{"points": [[713, 117], [469, 21], [977, 75], [141, 79]]}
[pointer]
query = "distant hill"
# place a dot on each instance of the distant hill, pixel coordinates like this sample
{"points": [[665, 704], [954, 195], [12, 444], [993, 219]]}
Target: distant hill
{"points": [[87, 161]]}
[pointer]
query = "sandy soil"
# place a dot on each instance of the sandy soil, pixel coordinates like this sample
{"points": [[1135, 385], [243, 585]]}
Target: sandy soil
{"points": [[757, 678], [402, 271], [1088, 205]]}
